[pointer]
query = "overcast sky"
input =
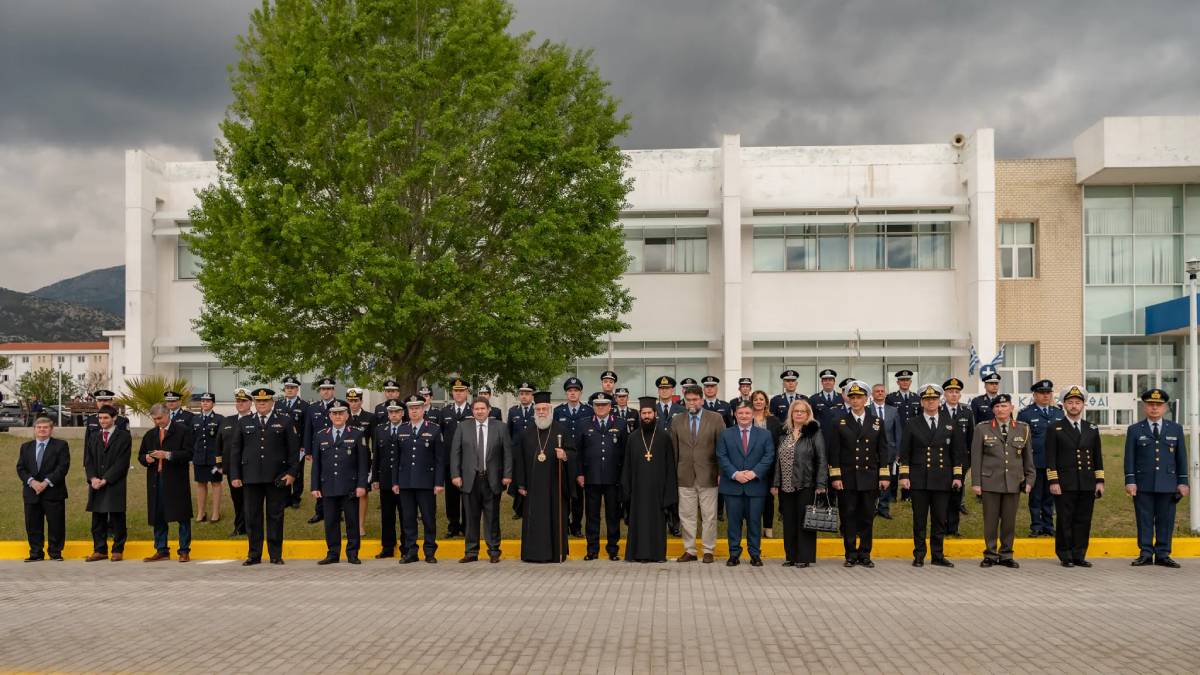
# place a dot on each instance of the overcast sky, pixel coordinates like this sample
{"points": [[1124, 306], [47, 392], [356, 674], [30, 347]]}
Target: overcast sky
{"points": [[81, 81]]}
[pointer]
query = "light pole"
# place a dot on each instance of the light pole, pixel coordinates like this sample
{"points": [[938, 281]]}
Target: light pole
{"points": [[1193, 268]]}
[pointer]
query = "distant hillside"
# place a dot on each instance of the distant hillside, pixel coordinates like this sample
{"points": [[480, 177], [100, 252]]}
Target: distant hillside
{"points": [[100, 289], [24, 318]]}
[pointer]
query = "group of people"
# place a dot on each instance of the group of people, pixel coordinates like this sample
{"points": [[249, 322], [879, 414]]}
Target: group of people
{"points": [[667, 464]]}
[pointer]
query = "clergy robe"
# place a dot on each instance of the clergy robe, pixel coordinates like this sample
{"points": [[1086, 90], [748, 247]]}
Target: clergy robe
{"points": [[649, 489], [547, 505]]}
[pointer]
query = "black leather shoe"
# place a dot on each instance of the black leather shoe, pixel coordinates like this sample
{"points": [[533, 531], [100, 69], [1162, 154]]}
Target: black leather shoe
{"points": [[883, 514], [849, 563], [276, 561], [407, 559], [1067, 563], [865, 562], [327, 561], [1048, 533], [354, 560], [384, 554], [34, 558], [755, 561], [987, 562], [917, 562], [674, 531], [962, 508], [614, 557], [430, 559], [802, 565], [58, 558], [468, 559], [1034, 534], [1082, 563], [1142, 561], [941, 562], [732, 562], [789, 563], [578, 534], [494, 558], [516, 516], [251, 561], [314, 520], [590, 556], [1010, 563], [234, 533], [1161, 562]]}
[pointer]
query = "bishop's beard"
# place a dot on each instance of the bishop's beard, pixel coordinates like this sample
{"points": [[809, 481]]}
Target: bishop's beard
{"points": [[543, 423]]}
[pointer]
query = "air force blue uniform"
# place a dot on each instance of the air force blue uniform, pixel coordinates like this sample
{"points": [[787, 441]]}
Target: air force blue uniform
{"points": [[204, 447], [602, 452], [1041, 503], [340, 466], [573, 423], [1157, 465], [419, 468]]}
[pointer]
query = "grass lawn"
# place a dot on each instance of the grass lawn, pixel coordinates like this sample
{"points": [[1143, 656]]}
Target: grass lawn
{"points": [[1113, 516]]}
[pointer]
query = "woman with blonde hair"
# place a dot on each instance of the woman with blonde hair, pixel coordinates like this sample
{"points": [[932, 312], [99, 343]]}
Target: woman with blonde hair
{"points": [[801, 473]]}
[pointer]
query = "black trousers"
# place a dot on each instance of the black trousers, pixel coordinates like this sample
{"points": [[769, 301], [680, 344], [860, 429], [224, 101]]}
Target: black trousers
{"points": [[338, 507], [412, 501], [929, 509], [518, 502], [46, 514], [1074, 524], [105, 525], [482, 502], [575, 523], [390, 512], [799, 544], [239, 506], [1041, 504], [768, 517], [455, 501], [857, 508], [611, 495], [296, 495], [953, 516], [275, 499]]}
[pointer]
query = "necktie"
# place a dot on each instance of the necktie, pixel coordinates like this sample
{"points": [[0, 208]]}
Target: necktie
{"points": [[879, 411], [1004, 432], [262, 419], [932, 424], [480, 446], [162, 435], [394, 430], [1076, 423], [695, 425], [1155, 427], [337, 436], [745, 441], [41, 450], [104, 436]]}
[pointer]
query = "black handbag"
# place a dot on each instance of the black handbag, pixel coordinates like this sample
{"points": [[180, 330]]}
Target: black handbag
{"points": [[821, 518]]}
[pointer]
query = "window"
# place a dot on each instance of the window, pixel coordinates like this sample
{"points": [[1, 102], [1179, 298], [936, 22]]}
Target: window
{"points": [[664, 250], [61, 359], [81, 359], [1016, 250], [79, 377], [1018, 366], [24, 359], [187, 264], [866, 246]]}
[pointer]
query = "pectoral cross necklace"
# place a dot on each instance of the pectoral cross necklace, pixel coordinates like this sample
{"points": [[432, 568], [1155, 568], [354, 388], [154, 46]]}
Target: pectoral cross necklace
{"points": [[649, 455]]}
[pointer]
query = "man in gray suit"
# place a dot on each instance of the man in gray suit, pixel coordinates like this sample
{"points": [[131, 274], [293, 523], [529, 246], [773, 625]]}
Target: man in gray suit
{"points": [[892, 428], [481, 465]]}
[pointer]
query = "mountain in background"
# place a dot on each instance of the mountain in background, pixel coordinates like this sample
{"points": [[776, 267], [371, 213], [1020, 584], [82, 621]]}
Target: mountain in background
{"points": [[100, 289], [25, 318]]}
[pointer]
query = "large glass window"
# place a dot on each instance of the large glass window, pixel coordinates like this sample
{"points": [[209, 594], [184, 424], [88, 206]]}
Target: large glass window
{"points": [[187, 265], [1016, 250], [898, 246], [1018, 366], [667, 250]]}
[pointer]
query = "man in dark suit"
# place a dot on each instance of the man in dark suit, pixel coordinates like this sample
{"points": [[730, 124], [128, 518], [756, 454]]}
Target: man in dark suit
{"points": [[103, 397], [858, 454], [892, 428], [166, 452], [42, 466], [1075, 470], [106, 462], [339, 477], [931, 467], [386, 443], [481, 465], [1156, 477], [744, 453], [264, 462]]}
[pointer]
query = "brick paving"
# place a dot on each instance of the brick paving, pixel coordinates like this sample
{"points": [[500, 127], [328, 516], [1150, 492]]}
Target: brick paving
{"points": [[596, 617]]}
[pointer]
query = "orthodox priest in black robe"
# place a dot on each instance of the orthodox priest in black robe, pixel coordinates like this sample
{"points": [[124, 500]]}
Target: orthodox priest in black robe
{"points": [[648, 486], [544, 469]]}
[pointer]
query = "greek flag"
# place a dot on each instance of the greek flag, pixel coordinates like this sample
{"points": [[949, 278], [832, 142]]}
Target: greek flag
{"points": [[999, 358], [974, 361]]}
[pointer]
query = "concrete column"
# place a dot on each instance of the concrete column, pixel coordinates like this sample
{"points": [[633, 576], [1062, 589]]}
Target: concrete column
{"points": [[979, 178], [141, 266], [731, 243]]}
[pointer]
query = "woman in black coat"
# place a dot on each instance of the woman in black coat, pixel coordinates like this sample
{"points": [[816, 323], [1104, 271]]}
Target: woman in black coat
{"points": [[168, 489], [763, 418], [801, 473], [107, 467]]}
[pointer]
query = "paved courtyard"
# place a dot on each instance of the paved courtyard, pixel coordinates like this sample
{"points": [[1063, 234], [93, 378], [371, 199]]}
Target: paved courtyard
{"points": [[596, 617]]}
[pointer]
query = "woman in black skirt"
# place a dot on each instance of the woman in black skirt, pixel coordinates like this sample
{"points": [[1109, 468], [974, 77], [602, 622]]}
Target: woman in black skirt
{"points": [[801, 473]]}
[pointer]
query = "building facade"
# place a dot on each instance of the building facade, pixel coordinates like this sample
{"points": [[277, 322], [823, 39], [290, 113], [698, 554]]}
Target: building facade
{"points": [[86, 362]]}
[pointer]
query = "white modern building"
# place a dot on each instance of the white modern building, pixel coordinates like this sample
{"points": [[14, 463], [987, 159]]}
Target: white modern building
{"points": [[86, 362]]}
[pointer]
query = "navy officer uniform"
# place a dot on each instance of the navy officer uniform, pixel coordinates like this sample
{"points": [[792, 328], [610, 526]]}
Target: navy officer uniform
{"points": [[715, 404], [447, 419], [297, 409], [205, 429], [826, 402], [905, 401], [665, 409], [386, 443], [736, 400], [316, 419], [1075, 464], [340, 464], [520, 416], [418, 475], [265, 449], [103, 397], [631, 415], [931, 460], [781, 402], [981, 405], [963, 418], [572, 419], [601, 453], [1039, 419], [1156, 473], [858, 463]]}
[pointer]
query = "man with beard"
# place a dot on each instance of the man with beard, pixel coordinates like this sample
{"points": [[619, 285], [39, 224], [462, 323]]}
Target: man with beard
{"points": [[544, 466], [648, 487]]}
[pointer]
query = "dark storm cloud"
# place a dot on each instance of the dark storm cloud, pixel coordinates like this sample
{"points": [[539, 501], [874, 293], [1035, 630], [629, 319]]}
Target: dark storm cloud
{"points": [[80, 81]]}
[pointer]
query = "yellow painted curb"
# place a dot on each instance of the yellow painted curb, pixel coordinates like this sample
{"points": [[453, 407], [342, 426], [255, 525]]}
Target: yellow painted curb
{"points": [[234, 549]]}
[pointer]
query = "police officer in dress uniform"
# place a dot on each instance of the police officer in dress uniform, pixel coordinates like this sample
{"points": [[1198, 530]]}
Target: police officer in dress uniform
{"points": [[297, 408], [931, 469], [608, 383], [391, 394], [448, 417], [226, 432], [103, 397], [602, 454], [1075, 470], [386, 444], [1156, 477], [174, 403], [963, 418], [981, 405], [622, 410], [710, 383], [418, 478], [906, 401], [264, 462], [364, 421], [1039, 416], [858, 458], [520, 416], [745, 388], [572, 415], [340, 464], [206, 470], [316, 418], [781, 402], [827, 399], [485, 392]]}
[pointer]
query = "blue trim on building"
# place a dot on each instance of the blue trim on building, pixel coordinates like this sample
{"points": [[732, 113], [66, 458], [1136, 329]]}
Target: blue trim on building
{"points": [[1168, 316]]}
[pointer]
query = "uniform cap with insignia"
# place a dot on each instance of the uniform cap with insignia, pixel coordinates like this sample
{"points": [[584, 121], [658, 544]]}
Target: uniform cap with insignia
{"points": [[745, 380], [326, 383], [599, 398], [393, 404], [789, 374], [414, 400], [687, 382], [931, 391], [208, 396], [1001, 398], [742, 403], [828, 373], [458, 383], [1073, 391], [621, 391], [989, 374], [573, 383], [354, 394], [541, 397], [291, 381], [845, 381], [608, 375], [484, 389], [338, 406], [170, 395], [103, 395], [710, 379], [1155, 396], [645, 402], [1045, 386], [425, 391], [903, 374], [390, 385], [526, 386], [240, 394], [263, 394], [665, 381], [857, 388], [953, 383]]}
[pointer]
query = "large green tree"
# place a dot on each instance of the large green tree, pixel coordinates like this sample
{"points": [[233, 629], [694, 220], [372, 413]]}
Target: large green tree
{"points": [[408, 189], [47, 385]]}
